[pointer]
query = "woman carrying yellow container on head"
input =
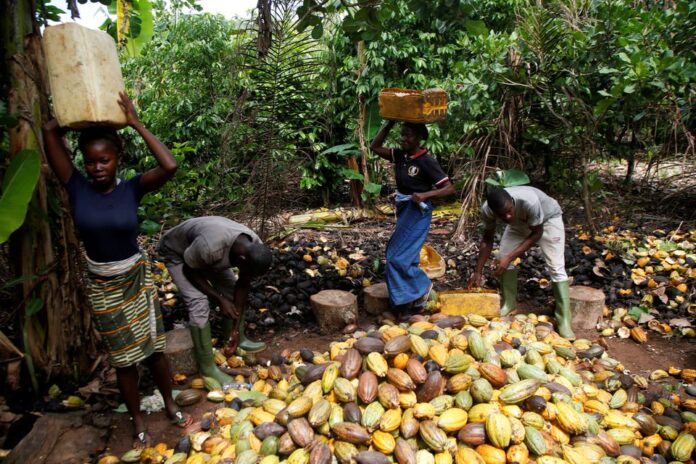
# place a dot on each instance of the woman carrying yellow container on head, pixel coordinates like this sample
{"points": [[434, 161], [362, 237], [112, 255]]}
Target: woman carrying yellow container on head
{"points": [[419, 178]]}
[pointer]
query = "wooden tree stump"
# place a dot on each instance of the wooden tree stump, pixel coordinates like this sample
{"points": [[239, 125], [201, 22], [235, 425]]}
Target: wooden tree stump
{"points": [[376, 298], [586, 307], [334, 309], [60, 438], [179, 351]]}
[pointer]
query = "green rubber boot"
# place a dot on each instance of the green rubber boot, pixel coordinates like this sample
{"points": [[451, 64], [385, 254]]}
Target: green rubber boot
{"points": [[508, 287], [203, 348], [246, 344], [561, 292]]}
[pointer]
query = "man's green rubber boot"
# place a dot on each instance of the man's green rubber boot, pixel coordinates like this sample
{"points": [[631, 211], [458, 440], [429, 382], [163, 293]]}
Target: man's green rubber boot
{"points": [[246, 344], [508, 288], [203, 348], [561, 292]]}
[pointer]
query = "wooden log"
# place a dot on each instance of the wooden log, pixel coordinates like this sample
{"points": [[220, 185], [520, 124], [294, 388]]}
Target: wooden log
{"points": [[586, 307], [334, 309], [376, 298], [179, 352]]}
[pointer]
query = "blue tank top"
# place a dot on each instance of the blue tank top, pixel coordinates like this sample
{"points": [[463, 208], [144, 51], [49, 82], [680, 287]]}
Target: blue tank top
{"points": [[107, 222]]}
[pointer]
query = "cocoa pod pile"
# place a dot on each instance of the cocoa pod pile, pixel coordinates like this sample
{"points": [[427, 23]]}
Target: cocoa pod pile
{"points": [[443, 390]]}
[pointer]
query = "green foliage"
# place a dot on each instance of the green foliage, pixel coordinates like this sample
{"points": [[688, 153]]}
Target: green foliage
{"points": [[507, 178], [329, 169], [185, 83], [18, 185], [525, 83], [283, 116], [139, 24]]}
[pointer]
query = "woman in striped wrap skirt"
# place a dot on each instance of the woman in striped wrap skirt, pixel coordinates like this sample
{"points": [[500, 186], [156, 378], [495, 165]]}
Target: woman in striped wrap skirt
{"points": [[124, 301]]}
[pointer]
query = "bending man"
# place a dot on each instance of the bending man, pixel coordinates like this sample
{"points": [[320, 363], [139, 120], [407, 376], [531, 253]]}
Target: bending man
{"points": [[199, 253], [531, 217]]}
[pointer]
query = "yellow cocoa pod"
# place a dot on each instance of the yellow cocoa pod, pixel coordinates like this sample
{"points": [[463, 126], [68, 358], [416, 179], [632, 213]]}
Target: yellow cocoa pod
{"points": [[452, 419], [424, 411], [329, 377], [466, 455], [400, 360], [407, 399], [390, 420], [517, 454], [383, 442], [498, 430], [569, 419], [480, 412], [300, 406], [419, 346], [377, 364], [258, 416], [438, 353], [491, 454]]}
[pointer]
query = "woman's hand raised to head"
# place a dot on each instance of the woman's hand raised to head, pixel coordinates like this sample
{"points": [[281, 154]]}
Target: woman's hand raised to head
{"points": [[128, 108]]}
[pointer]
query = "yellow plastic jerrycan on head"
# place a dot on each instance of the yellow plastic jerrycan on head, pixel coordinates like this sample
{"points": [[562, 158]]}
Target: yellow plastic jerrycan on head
{"points": [[84, 75]]}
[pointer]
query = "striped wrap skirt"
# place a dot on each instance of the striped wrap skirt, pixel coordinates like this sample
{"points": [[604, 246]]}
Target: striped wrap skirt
{"points": [[126, 309]]}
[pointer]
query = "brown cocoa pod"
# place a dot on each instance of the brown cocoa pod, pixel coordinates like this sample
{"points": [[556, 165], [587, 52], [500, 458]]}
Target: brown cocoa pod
{"points": [[388, 395], [267, 429], [352, 433], [321, 454], [434, 386], [456, 322], [351, 364], [314, 372], [301, 432], [494, 374], [351, 413], [371, 457], [367, 387], [404, 453], [472, 434], [416, 371], [286, 445], [367, 345], [400, 379], [397, 345]]}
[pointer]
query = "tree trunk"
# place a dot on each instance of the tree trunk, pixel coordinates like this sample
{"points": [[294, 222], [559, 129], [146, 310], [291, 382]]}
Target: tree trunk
{"points": [[356, 187], [362, 109], [586, 198], [265, 22], [60, 337], [631, 158]]}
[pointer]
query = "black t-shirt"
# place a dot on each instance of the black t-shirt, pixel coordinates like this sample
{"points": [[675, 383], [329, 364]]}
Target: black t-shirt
{"points": [[107, 222], [418, 173]]}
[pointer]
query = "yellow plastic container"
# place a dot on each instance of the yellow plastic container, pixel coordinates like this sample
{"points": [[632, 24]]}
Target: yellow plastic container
{"points": [[431, 262], [483, 302], [417, 106], [84, 75]]}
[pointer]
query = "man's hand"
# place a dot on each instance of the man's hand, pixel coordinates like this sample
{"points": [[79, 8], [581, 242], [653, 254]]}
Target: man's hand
{"points": [[474, 280], [503, 264], [418, 197], [228, 308]]}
